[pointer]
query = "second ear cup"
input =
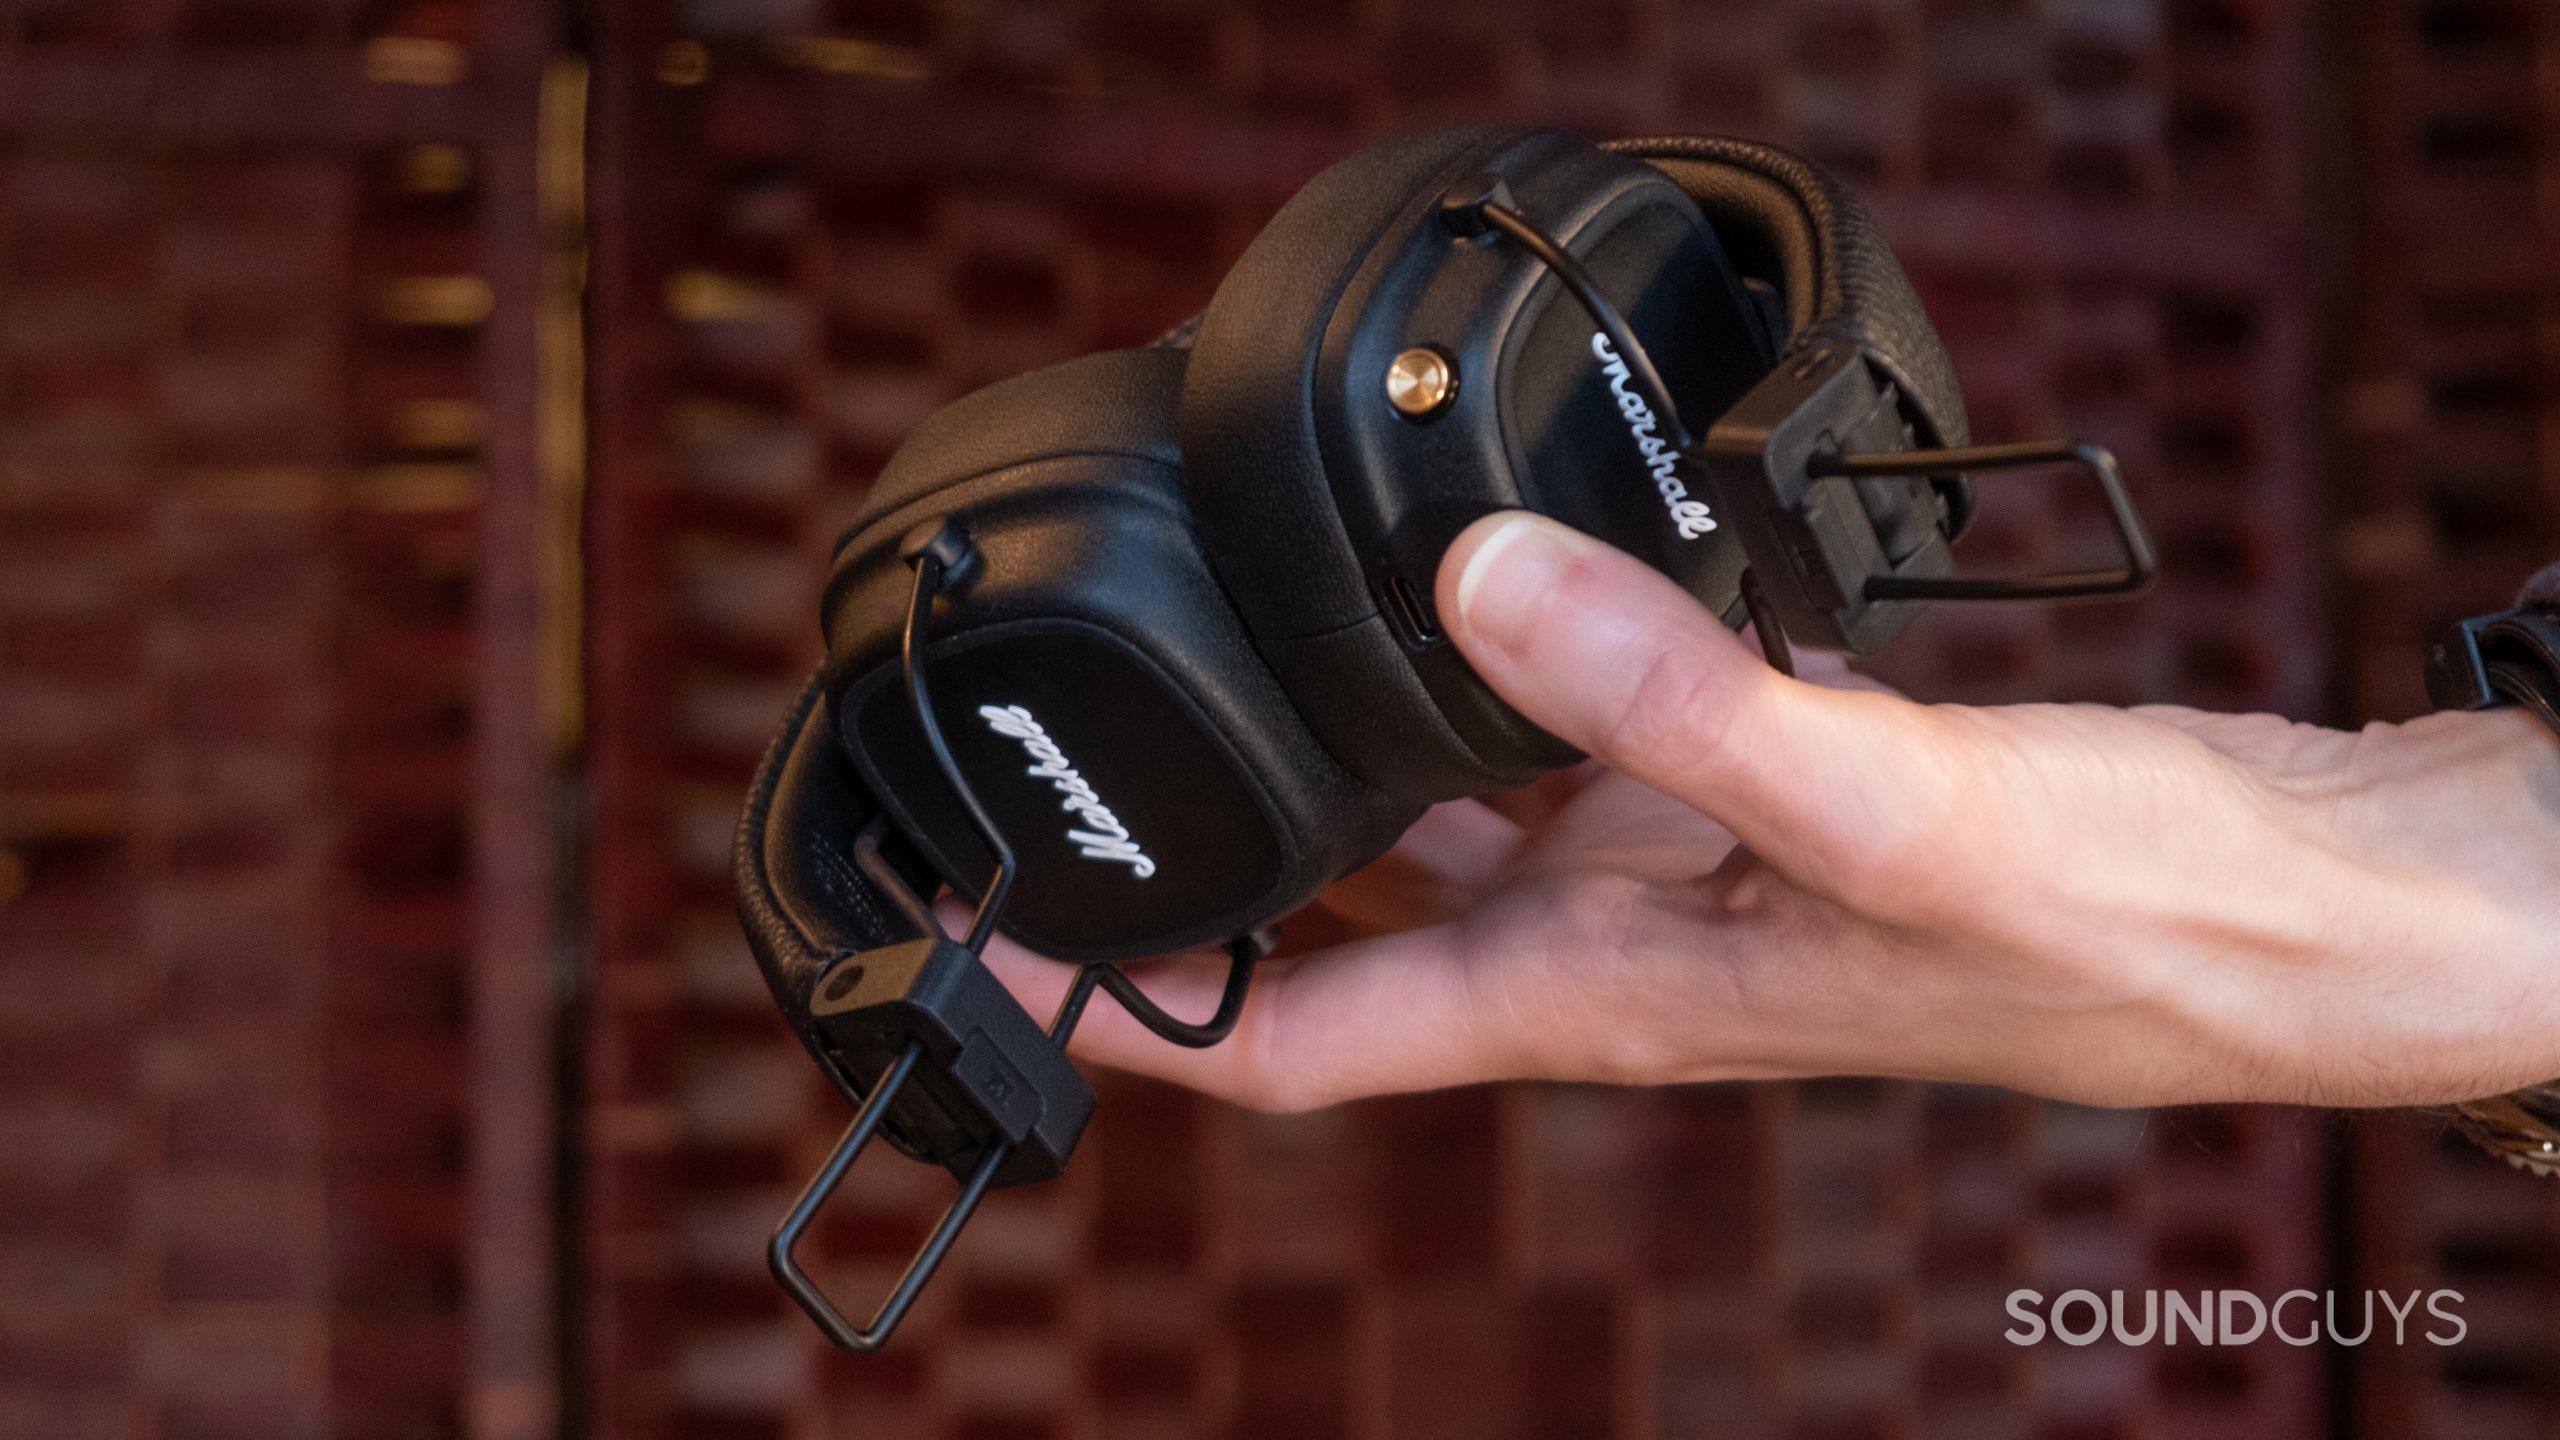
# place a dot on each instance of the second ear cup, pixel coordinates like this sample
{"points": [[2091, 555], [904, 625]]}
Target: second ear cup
{"points": [[1326, 502], [1255, 464]]}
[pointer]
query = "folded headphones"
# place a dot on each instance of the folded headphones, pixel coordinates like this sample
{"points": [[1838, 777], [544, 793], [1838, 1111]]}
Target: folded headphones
{"points": [[1138, 651]]}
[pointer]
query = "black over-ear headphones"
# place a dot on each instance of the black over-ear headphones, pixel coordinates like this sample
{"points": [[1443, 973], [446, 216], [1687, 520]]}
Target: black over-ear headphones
{"points": [[1139, 652]]}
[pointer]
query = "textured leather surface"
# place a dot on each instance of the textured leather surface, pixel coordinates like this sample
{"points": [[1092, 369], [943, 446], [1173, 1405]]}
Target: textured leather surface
{"points": [[1104, 541], [800, 899], [1255, 469], [1259, 426], [1827, 257], [1116, 402]]}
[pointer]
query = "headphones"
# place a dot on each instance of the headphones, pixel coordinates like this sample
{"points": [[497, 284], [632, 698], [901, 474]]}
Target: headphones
{"points": [[1138, 650]]}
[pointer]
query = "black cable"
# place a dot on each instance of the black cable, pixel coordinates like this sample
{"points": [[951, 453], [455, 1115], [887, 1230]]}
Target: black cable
{"points": [[1243, 953], [1764, 623], [1603, 314]]}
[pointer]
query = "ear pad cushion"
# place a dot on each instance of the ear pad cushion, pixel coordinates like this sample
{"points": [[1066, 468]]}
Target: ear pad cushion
{"points": [[1117, 402], [800, 898], [1791, 224]]}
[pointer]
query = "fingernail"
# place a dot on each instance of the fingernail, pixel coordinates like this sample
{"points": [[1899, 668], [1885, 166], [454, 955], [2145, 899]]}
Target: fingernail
{"points": [[1506, 581]]}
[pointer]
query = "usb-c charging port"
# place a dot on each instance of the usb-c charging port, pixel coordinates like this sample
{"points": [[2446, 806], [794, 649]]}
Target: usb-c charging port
{"points": [[1413, 612]]}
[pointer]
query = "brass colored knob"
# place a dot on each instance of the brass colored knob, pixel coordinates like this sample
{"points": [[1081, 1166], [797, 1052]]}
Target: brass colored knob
{"points": [[1421, 382]]}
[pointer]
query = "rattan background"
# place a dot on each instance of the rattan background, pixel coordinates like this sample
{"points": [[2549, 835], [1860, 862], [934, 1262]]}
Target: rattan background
{"points": [[275, 810]]}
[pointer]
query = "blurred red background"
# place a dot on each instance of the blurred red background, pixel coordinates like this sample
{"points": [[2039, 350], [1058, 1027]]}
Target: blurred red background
{"points": [[421, 430]]}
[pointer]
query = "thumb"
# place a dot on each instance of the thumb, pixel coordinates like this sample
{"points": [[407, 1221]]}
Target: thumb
{"points": [[1612, 657]]}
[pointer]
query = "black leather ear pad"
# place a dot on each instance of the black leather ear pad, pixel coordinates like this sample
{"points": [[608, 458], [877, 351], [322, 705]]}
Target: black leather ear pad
{"points": [[1798, 228], [1117, 402]]}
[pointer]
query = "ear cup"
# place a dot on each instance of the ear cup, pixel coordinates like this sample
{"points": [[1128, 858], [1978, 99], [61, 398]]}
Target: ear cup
{"points": [[1255, 467], [1260, 491], [1326, 511], [1800, 229], [1153, 778]]}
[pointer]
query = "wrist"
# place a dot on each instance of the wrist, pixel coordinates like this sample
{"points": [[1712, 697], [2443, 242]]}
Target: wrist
{"points": [[2462, 828]]}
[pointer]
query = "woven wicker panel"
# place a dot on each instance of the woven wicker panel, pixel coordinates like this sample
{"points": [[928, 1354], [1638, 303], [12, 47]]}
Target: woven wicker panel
{"points": [[820, 221], [267, 1174]]}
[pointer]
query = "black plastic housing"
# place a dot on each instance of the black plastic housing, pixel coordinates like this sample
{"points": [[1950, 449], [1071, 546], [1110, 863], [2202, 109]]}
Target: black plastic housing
{"points": [[1818, 539], [989, 1076]]}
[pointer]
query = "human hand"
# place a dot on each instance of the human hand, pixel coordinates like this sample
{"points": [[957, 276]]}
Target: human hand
{"points": [[2120, 907]]}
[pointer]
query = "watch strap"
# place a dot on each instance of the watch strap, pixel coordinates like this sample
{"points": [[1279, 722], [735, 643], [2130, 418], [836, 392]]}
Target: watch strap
{"points": [[2510, 658]]}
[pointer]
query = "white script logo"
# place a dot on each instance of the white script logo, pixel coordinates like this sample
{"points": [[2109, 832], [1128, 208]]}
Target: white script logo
{"points": [[1104, 837], [1690, 515]]}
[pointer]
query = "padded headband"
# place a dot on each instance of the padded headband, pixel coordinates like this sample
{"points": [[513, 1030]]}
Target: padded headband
{"points": [[801, 900]]}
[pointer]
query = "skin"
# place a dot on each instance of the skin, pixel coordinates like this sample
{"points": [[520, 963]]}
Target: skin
{"points": [[1760, 878]]}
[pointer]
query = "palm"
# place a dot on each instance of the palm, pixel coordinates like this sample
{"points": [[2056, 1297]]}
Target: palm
{"points": [[1598, 927]]}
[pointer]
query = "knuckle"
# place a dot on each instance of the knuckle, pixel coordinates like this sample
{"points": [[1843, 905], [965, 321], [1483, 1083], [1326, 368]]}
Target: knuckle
{"points": [[1896, 868], [1605, 929], [1274, 1096], [1286, 1092], [1265, 1077], [1596, 913], [1634, 1055]]}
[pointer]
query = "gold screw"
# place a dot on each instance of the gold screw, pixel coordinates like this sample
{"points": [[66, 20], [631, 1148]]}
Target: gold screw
{"points": [[1421, 382]]}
